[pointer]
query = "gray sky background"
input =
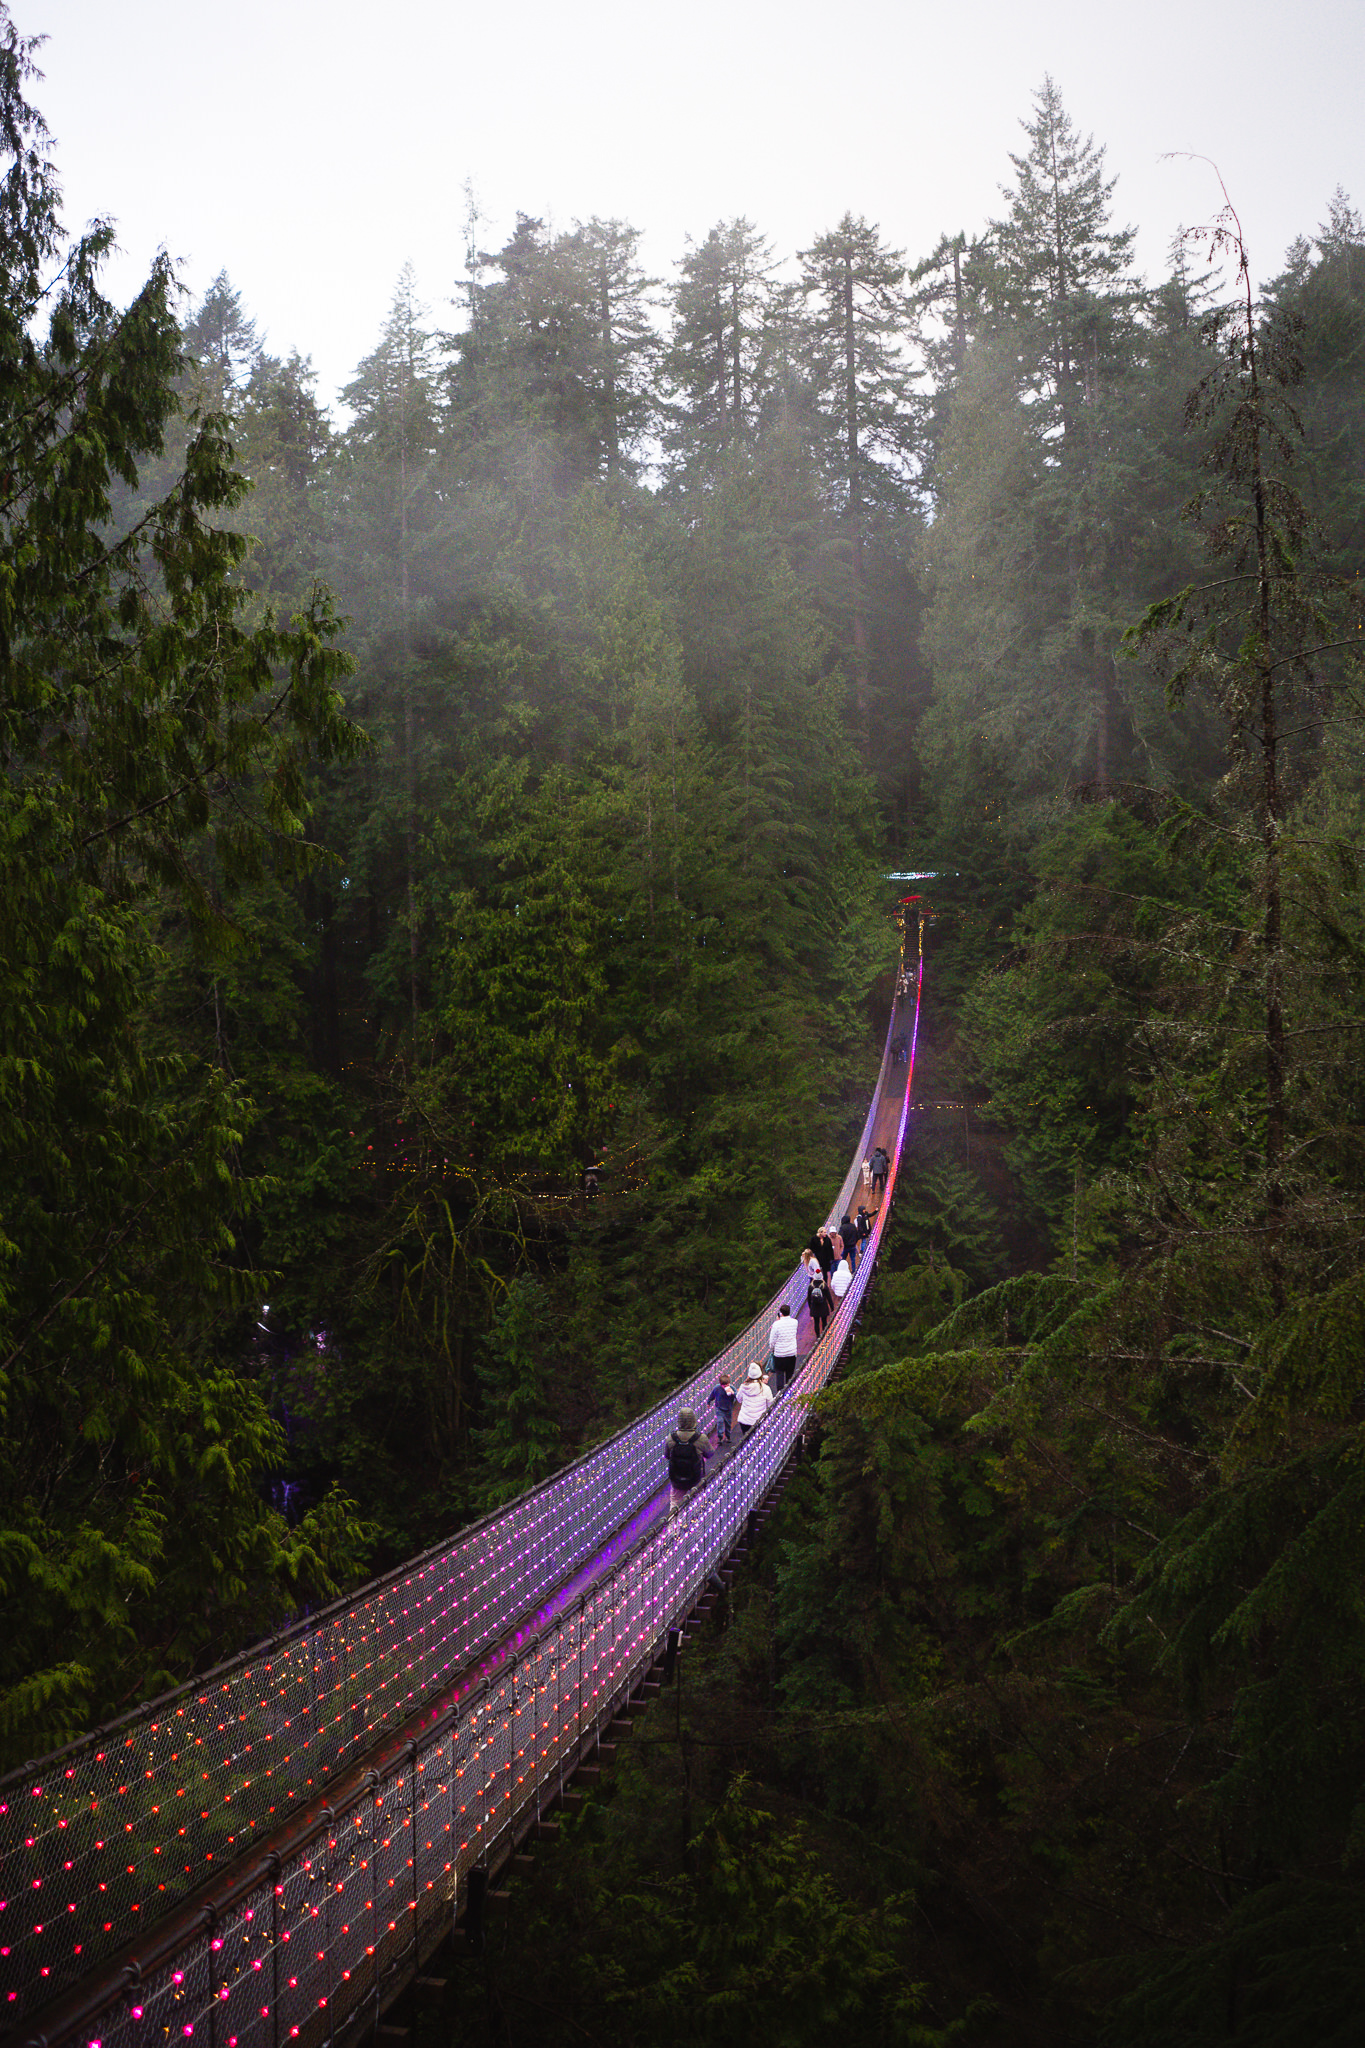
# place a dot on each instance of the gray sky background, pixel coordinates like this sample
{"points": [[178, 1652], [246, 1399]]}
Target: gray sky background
{"points": [[311, 149]]}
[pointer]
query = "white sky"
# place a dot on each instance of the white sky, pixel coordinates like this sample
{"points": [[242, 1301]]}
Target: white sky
{"points": [[310, 149]]}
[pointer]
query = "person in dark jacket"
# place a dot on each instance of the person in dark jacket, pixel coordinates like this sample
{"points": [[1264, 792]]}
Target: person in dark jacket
{"points": [[881, 1166], [819, 1302], [848, 1231], [723, 1398], [687, 1451]]}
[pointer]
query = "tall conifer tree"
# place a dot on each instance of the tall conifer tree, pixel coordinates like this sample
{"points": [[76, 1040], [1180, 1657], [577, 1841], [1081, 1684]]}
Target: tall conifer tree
{"points": [[715, 355], [858, 317]]}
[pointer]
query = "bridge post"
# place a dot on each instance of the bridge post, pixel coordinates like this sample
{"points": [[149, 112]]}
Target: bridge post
{"points": [[671, 1656]]}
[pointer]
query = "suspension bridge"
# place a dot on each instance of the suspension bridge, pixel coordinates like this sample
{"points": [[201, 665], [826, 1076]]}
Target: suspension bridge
{"points": [[270, 1854]]}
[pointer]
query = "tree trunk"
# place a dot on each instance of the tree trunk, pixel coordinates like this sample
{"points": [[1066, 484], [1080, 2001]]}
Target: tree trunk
{"points": [[1272, 932], [613, 428], [1100, 669]]}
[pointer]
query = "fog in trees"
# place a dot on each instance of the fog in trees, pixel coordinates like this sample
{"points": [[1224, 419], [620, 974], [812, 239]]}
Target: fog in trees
{"points": [[411, 807]]}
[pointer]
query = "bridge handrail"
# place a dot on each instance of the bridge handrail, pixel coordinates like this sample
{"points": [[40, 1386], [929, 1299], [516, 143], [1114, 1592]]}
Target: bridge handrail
{"points": [[249, 1972], [67, 1833]]}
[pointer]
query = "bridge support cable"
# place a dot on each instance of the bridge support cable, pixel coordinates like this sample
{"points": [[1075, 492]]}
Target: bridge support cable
{"points": [[357, 1867]]}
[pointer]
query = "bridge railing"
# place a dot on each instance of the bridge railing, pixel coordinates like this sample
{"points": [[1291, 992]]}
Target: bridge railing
{"points": [[300, 1941], [109, 1835]]}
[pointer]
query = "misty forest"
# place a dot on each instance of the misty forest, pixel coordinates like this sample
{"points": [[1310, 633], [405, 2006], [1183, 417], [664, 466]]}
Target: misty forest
{"points": [[409, 807]]}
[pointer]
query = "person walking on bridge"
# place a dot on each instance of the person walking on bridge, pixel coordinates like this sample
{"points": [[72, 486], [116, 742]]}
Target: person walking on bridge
{"points": [[881, 1166], [755, 1399], [782, 1344], [723, 1398], [819, 1302], [823, 1249], [687, 1452]]}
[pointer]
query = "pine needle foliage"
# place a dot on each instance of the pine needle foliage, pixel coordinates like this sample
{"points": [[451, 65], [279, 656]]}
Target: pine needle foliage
{"points": [[155, 750]]}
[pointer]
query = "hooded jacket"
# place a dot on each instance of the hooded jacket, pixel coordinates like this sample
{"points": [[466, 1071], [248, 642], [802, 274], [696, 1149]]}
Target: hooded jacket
{"points": [[755, 1399]]}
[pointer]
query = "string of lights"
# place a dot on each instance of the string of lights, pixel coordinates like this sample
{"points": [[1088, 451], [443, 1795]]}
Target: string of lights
{"points": [[483, 1646]]}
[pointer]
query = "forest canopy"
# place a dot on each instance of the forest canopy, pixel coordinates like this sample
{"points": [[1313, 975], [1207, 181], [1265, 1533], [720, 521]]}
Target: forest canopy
{"points": [[444, 855]]}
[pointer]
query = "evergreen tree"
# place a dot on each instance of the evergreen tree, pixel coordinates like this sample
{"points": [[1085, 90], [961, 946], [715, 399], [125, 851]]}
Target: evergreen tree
{"points": [[856, 333], [627, 350], [222, 342], [155, 753], [550, 381], [1058, 268], [1322, 292], [282, 441], [520, 1438], [1029, 600], [1272, 638], [715, 358], [389, 505]]}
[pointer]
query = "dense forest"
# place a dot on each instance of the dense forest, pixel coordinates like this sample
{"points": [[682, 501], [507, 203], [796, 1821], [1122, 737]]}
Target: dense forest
{"points": [[408, 810]]}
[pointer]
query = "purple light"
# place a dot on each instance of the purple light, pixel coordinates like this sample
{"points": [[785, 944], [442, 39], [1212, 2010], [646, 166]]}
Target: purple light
{"points": [[573, 1542]]}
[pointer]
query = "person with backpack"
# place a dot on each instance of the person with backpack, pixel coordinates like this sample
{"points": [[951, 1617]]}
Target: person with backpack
{"points": [[687, 1452], [723, 1398], [881, 1166], [755, 1399], [819, 1302]]}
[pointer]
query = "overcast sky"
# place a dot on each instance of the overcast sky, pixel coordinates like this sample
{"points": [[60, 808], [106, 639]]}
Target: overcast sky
{"points": [[311, 147]]}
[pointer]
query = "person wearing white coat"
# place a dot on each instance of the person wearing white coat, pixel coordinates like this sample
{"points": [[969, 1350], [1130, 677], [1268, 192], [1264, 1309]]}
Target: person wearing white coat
{"points": [[755, 1399], [782, 1343]]}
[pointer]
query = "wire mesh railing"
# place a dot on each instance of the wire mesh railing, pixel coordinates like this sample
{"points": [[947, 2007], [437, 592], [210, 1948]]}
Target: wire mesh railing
{"points": [[106, 1837]]}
